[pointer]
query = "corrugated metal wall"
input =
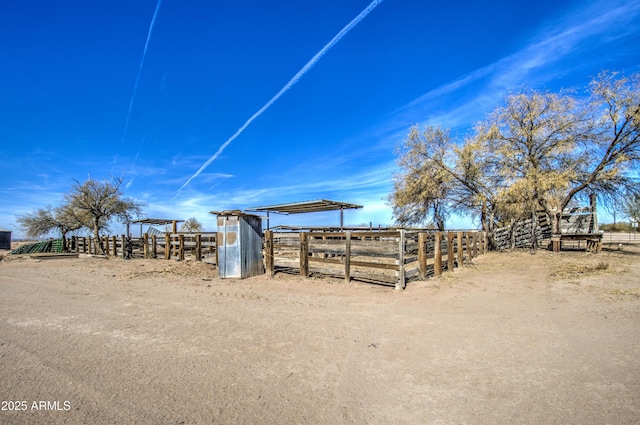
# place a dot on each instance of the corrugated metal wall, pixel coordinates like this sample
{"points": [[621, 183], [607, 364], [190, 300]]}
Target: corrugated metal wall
{"points": [[239, 241]]}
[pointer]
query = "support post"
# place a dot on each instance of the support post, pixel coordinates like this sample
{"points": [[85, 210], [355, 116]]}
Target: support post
{"points": [[400, 284], [347, 258], [450, 251], [268, 254], [181, 247], [437, 255], [475, 244], [106, 245], [304, 254], [167, 246], [422, 255], [114, 241], [460, 249], [145, 245], [123, 239], [198, 252], [154, 246]]}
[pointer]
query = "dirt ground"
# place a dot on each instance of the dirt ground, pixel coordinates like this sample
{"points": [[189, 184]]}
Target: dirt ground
{"points": [[514, 338]]}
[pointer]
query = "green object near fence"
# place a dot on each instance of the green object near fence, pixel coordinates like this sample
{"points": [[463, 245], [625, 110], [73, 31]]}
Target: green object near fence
{"points": [[54, 245]]}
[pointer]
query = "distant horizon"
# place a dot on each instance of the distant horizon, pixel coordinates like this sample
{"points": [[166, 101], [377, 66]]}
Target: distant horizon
{"points": [[205, 107]]}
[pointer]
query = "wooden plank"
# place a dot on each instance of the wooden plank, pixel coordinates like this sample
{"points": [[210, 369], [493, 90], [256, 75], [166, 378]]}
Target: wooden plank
{"points": [[347, 258], [437, 256], [450, 251], [400, 284], [268, 252], [304, 255], [355, 263], [198, 252], [422, 255]]}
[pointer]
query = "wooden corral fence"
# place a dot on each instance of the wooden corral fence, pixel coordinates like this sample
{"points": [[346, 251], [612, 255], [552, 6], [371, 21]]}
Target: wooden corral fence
{"points": [[199, 246], [518, 235], [385, 257]]}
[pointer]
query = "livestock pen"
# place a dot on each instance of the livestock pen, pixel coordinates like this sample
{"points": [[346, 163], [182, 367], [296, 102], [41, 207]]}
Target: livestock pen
{"points": [[388, 257]]}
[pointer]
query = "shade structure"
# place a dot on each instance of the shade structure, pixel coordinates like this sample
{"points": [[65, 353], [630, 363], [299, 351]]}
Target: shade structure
{"points": [[318, 205]]}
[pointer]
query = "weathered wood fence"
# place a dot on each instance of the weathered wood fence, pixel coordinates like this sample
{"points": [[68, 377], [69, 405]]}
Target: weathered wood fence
{"points": [[386, 257], [199, 246], [392, 257], [519, 234]]}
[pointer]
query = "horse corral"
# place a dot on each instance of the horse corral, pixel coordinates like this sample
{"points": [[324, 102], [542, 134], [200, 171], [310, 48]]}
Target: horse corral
{"points": [[387, 257]]}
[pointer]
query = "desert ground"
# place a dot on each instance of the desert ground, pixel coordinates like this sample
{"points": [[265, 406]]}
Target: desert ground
{"points": [[514, 338]]}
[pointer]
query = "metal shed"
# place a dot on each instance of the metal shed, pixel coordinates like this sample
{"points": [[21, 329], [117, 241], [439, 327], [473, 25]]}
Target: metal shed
{"points": [[239, 244], [5, 238]]}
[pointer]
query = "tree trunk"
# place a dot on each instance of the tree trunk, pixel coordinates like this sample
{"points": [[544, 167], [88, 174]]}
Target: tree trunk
{"points": [[486, 220], [99, 248]]}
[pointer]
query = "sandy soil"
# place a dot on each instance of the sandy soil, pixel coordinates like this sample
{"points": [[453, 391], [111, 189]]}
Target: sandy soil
{"points": [[512, 339]]}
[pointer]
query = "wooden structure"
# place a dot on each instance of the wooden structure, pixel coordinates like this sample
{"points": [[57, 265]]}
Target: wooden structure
{"points": [[318, 205], [519, 234], [578, 225], [386, 257], [177, 246]]}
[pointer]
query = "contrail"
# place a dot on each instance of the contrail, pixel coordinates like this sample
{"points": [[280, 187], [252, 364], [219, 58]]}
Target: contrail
{"points": [[144, 55], [290, 84]]}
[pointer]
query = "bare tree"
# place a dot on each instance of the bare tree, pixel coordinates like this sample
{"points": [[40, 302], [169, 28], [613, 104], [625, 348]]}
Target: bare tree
{"points": [[96, 203], [191, 225], [45, 220]]}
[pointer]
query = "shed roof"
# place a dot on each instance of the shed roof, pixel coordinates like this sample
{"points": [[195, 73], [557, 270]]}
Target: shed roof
{"points": [[155, 221], [317, 205]]}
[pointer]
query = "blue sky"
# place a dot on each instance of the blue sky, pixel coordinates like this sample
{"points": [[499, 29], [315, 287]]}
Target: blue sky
{"points": [[92, 88]]}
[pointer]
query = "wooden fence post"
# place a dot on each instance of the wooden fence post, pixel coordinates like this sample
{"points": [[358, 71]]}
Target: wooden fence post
{"points": [[198, 247], [124, 246], [304, 254], [475, 244], [460, 249], [437, 255], [145, 245], [268, 254], [485, 243], [401, 272], [347, 258], [114, 241], [469, 250], [167, 246], [106, 245], [450, 251], [181, 247], [422, 255], [154, 246]]}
